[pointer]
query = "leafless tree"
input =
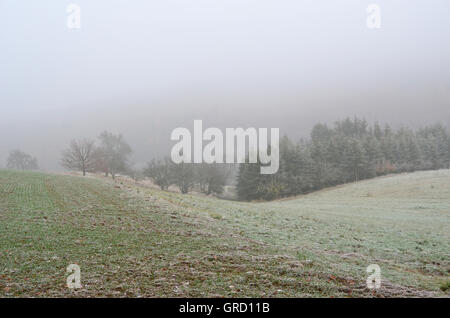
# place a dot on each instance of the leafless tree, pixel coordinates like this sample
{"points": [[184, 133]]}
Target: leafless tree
{"points": [[160, 171], [183, 175], [81, 155]]}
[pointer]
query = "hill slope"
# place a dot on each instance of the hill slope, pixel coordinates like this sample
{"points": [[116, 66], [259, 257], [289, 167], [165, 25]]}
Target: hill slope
{"points": [[135, 241]]}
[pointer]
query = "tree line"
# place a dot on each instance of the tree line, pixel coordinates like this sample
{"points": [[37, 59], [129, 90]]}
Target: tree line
{"points": [[349, 151], [352, 150], [111, 157], [205, 178]]}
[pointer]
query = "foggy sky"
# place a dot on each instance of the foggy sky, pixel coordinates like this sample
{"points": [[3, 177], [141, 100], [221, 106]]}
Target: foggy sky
{"points": [[143, 68]]}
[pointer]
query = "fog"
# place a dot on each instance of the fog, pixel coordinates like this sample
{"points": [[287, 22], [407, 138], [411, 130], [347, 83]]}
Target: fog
{"points": [[143, 68]]}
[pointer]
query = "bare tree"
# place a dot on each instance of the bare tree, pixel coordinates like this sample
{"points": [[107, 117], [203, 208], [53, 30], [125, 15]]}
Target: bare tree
{"points": [[183, 175], [81, 155], [19, 160], [212, 177], [115, 153], [160, 172]]}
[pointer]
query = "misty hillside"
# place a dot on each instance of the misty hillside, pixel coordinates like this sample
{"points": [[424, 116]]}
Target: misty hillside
{"points": [[131, 240], [143, 68]]}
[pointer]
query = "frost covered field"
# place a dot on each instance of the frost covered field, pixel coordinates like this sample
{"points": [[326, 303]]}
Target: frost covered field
{"points": [[131, 241]]}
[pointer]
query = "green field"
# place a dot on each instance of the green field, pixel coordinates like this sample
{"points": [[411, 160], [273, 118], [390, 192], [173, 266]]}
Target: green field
{"points": [[132, 241]]}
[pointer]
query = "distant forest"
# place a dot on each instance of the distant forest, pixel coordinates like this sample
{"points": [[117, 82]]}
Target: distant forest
{"points": [[350, 151]]}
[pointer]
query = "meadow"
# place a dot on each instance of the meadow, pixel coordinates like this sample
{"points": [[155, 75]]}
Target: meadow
{"points": [[135, 241]]}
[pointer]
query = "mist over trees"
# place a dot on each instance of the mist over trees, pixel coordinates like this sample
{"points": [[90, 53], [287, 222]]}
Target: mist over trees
{"points": [[206, 178], [350, 151], [19, 160], [135, 173], [110, 157], [115, 152]]}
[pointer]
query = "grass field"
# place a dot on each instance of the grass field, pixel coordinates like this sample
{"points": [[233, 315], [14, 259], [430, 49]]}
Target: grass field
{"points": [[132, 241]]}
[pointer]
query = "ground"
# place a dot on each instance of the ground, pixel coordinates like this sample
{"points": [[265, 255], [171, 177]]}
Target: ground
{"points": [[135, 241]]}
